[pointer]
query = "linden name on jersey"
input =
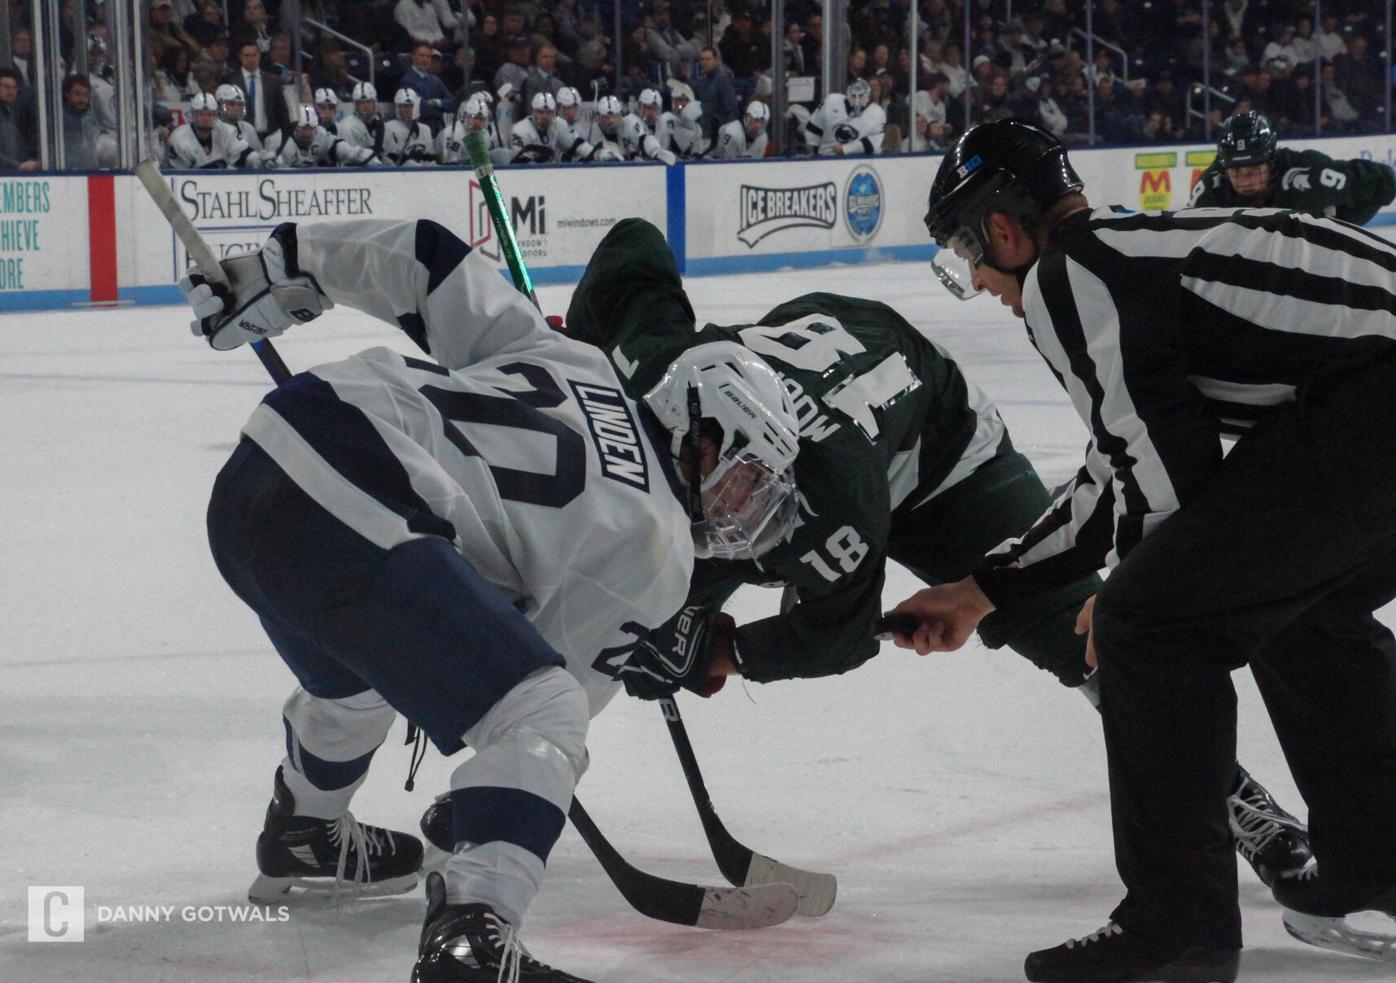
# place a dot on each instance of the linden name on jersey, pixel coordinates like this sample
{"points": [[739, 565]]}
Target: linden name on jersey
{"points": [[613, 432]]}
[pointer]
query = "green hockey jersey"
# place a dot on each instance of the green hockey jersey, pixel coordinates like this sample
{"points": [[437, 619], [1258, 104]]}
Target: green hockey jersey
{"points": [[1307, 181], [886, 420]]}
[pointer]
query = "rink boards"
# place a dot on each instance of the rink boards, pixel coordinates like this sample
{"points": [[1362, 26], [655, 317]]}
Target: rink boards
{"points": [[96, 238]]}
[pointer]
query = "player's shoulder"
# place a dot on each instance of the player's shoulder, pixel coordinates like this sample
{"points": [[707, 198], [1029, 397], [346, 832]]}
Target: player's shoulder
{"points": [[835, 103]]}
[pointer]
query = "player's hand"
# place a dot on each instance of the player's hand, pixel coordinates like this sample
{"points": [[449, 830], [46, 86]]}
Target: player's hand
{"points": [[1085, 627], [262, 299], [692, 651], [838, 150], [948, 615]]}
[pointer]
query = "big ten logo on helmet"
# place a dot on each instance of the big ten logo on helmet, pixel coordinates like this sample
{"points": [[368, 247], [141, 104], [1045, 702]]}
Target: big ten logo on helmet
{"points": [[968, 167], [862, 203], [766, 211]]}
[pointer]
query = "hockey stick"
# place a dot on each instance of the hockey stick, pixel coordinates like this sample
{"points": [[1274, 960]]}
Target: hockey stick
{"points": [[159, 190], [757, 905], [740, 864]]}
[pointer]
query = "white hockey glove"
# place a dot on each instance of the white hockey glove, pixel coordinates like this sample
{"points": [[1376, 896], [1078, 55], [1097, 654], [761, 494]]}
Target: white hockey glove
{"points": [[266, 294], [666, 157]]}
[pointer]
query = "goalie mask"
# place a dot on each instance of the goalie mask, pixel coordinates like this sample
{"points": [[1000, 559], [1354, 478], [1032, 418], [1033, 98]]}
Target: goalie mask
{"points": [[857, 97], [746, 505]]}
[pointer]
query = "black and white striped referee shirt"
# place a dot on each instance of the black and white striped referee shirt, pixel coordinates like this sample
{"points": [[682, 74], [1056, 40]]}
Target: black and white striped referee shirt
{"points": [[1170, 330]]}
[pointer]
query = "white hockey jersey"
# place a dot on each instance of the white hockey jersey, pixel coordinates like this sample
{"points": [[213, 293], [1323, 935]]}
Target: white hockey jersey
{"points": [[450, 145], [407, 144], [633, 140], [732, 142], [557, 138], [185, 151], [355, 131], [247, 132], [324, 150], [680, 132], [606, 147], [831, 125], [517, 443]]}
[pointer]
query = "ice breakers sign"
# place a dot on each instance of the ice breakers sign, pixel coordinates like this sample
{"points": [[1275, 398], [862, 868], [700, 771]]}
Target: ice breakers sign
{"points": [[766, 211]]}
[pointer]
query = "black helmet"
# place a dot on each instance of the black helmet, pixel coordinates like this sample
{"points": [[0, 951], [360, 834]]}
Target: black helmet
{"points": [[1247, 140], [1006, 165]]}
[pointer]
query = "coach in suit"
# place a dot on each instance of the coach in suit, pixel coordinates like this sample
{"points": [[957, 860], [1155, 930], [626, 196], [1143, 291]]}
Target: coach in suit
{"points": [[266, 98]]}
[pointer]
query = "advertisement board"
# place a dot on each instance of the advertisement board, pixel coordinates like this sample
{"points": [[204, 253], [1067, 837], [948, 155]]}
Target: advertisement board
{"points": [[43, 239]]}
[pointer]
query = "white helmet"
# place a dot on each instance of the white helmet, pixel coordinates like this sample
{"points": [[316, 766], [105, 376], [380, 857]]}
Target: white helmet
{"points": [[227, 92], [857, 97], [204, 101], [473, 107], [758, 112], [364, 91], [650, 99], [608, 108], [568, 97], [306, 119], [407, 97], [232, 106], [747, 504], [326, 97]]}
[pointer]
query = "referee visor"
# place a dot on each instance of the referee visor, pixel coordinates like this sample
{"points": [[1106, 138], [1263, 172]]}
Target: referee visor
{"points": [[956, 261]]}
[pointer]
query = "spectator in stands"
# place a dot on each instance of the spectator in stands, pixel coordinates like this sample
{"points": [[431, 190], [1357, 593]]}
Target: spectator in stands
{"points": [[713, 89], [1112, 23], [741, 48], [256, 24], [1294, 104], [429, 21], [80, 127], [437, 101], [1119, 117], [1279, 55], [991, 101], [1255, 88], [812, 44], [1343, 116], [209, 68], [933, 131], [857, 64], [1305, 44], [485, 42], [512, 25], [328, 72], [177, 80], [1057, 22], [1359, 74], [267, 110], [567, 35], [1048, 110], [206, 23], [514, 71], [166, 32], [1330, 40], [1234, 58], [662, 42], [542, 77], [953, 68], [1033, 36], [1162, 98], [21, 56], [16, 133], [1013, 55]]}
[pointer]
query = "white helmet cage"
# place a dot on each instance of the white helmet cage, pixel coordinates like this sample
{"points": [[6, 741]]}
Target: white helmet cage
{"points": [[407, 97], [747, 505]]}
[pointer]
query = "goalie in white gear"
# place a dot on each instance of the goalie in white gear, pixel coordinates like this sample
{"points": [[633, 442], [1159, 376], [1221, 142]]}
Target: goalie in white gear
{"points": [[542, 138], [680, 130], [363, 127], [310, 145], [407, 141], [205, 143], [435, 586], [846, 124], [745, 137], [327, 108]]}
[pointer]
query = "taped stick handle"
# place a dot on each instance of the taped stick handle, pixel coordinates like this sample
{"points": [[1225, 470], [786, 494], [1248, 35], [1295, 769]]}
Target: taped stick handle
{"points": [[159, 190], [494, 201]]}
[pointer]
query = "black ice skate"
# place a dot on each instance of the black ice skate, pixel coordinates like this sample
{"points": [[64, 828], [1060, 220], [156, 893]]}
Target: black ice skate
{"points": [[319, 855], [1112, 955], [469, 943], [1316, 911], [436, 824], [1272, 841]]}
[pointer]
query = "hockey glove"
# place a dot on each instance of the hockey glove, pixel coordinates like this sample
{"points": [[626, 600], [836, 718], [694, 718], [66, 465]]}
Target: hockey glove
{"points": [[266, 293], [666, 157], [678, 654]]}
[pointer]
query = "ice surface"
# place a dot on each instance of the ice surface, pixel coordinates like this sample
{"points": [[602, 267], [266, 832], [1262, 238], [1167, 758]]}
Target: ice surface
{"points": [[960, 799]]}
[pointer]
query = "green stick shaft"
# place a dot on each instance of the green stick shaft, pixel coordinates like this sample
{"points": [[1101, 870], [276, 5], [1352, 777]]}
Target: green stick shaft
{"points": [[494, 201]]}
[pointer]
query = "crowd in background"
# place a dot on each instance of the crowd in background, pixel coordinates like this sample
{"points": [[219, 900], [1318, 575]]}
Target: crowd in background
{"points": [[1025, 59]]}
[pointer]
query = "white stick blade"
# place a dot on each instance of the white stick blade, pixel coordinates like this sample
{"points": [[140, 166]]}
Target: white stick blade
{"points": [[816, 891], [739, 908]]}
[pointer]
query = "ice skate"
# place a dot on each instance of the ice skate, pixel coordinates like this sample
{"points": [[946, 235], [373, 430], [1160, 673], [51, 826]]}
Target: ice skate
{"points": [[436, 824], [1271, 840], [1112, 955], [318, 856], [1316, 912], [470, 943]]}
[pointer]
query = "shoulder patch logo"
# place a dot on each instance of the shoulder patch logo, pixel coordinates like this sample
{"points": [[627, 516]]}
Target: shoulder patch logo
{"points": [[614, 434]]}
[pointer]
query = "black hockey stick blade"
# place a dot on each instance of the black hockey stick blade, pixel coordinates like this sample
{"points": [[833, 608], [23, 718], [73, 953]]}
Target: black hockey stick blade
{"points": [[726, 908], [740, 864], [893, 623]]}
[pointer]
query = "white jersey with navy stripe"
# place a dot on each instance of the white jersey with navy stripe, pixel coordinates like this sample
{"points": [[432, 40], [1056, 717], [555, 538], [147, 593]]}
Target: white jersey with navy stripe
{"points": [[1171, 330], [832, 125], [516, 443], [224, 149]]}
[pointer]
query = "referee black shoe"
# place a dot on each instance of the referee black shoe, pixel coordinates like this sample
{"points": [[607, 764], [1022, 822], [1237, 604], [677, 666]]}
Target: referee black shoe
{"points": [[1113, 955]]}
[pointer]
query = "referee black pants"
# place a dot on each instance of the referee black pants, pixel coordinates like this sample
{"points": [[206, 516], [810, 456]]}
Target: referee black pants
{"points": [[1278, 561]]}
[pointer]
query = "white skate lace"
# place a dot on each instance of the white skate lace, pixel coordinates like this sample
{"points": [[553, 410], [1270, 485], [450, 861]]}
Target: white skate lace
{"points": [[510, 956], [1255, 824], [349, 833], [1104, 932]]}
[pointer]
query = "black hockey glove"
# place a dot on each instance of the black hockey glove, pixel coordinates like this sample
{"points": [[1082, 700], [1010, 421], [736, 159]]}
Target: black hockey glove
{"points": [[534, 153], [266, 294], [678, 654]]}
